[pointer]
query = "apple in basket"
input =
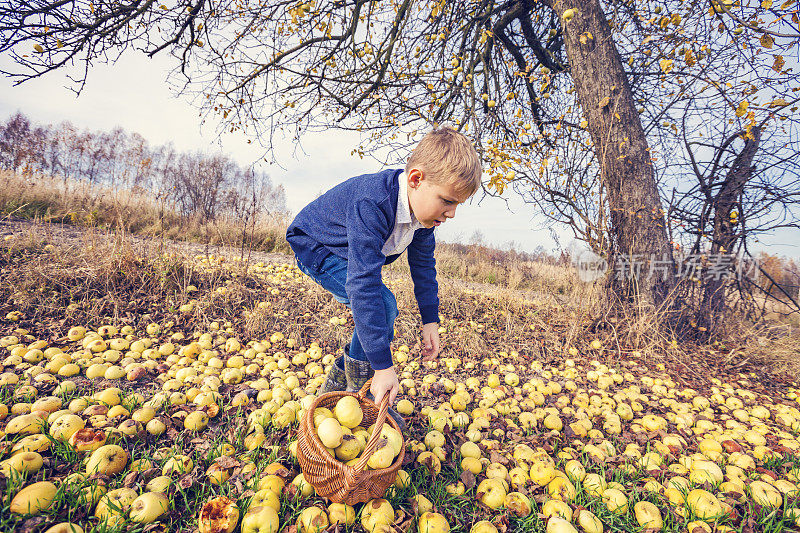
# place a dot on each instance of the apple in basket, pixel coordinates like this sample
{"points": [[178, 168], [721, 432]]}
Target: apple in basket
{"points": [[340, 432]]}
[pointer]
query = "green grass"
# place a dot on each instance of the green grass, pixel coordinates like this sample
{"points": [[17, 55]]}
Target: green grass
{"points": [[777, 462], [27, 209], [63, 451]]}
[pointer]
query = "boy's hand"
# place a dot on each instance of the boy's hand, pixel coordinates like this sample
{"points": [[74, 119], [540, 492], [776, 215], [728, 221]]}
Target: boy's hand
{"points": [[385, 382], [430, 339]]}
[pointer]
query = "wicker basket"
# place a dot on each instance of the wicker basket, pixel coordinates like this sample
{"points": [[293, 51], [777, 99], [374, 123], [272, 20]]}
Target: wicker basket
{"points": [[330, 477]]}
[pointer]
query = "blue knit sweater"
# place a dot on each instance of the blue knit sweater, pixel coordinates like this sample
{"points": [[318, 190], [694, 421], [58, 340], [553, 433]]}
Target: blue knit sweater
{"points": [[353, 220]]}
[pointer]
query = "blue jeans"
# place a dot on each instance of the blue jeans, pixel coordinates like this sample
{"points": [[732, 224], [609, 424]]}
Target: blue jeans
{"points": [[332, 275]]}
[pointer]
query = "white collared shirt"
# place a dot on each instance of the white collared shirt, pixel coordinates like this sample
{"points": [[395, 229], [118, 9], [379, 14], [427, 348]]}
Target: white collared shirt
{"points": [[405, 223]]}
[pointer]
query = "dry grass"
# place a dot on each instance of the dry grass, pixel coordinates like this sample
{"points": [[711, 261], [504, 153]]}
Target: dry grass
{"points": [[80, 203], [491, 267]]}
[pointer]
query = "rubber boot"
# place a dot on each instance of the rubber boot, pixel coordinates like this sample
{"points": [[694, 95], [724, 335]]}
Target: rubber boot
{"points": [[358, 372], [336, 380]]}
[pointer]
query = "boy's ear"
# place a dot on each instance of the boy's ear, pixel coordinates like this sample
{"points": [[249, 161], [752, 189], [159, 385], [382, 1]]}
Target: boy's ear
{"points": [[415, 176]]}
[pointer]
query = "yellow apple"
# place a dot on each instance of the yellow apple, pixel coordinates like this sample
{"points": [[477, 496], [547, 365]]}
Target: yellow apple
{"points": [[348, 411], [109, 460], [382, 457], [196, 421], [341, 513], [765, 494], [65, 527], [703, 504], [472, 464], [376, 513], [87, 440], [698, 524], [330, 433], [159, 484], [456, 489], [484, 526], [149, 507], [155, 427], [262, 519], [27, 424], [424, 505], [594, 484], [589, 522], [562, 489], [349, 448], [216, 474], [272, 482], [32, 443], [90, 494], [703, 471], [312, 519], [648, 516], [542, 473], [431, 461], [266, 497], [556, 524], [22, 462], [432, 523], [65, 426], [491, 492], [305, 488], [405, 407], [575, 471], [33, 498], [615, 501], [178, 463], [218, 515], [518, 504], [113, 506], [402, 480]]}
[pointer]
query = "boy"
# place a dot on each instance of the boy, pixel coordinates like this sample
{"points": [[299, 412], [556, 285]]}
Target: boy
{"points": [[343, 239]]}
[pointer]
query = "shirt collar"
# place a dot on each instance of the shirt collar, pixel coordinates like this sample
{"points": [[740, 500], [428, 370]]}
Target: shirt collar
{"points": [[404, 215]]}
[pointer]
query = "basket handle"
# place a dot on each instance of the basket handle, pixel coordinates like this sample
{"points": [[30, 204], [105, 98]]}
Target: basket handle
{"points": [[372, 445]]}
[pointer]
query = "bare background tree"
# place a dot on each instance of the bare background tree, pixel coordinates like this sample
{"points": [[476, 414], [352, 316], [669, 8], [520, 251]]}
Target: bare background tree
{"points": [[200, 187]]}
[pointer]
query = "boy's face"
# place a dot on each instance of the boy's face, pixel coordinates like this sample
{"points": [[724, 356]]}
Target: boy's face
{"points": [[431, 203]]}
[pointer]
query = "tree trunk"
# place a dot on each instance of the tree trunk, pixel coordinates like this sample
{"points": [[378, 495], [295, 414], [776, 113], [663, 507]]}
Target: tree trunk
{"points": [[726, 233], [640, 255]]}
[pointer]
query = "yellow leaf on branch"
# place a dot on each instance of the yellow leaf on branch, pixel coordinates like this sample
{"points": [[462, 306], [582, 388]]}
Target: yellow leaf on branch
{"points": [[666, 65], [767, 41], [742, 108], [778, 102]]}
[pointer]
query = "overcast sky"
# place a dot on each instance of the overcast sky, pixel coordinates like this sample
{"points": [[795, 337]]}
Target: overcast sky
{"points": [[133, 94]]}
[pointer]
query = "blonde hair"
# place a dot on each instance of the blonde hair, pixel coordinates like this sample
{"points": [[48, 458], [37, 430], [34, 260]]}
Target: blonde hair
{"points": [[447, 157]]}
